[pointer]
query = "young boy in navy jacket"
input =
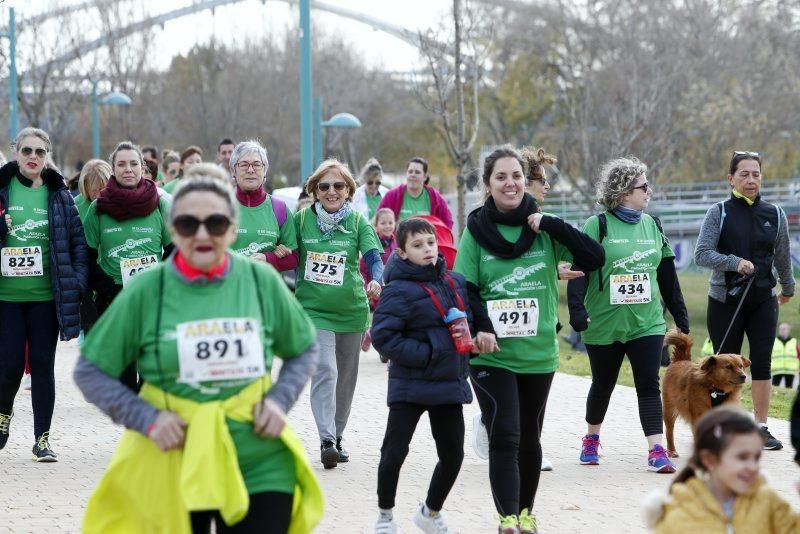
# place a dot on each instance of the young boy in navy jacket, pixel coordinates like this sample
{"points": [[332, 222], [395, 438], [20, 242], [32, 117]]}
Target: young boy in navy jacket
{"points": [[427, 372]]}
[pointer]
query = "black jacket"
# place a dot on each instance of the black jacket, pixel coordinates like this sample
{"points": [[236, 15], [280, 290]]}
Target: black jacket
{"points": [[408, 329], [68, 260]]}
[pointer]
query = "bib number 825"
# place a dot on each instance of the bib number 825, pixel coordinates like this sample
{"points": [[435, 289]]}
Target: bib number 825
{"points": [[22, 261], [219, 349]]}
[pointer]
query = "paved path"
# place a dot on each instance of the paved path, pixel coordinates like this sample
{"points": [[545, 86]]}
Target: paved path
{"points": [[572, 498]]}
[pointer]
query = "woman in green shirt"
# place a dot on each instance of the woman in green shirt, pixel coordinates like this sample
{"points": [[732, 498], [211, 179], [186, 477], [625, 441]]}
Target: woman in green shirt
{"points": [[266, 228], [94, 177], [126, 231], [623, 300], [509, 254], [331, 237], [203, 329]]}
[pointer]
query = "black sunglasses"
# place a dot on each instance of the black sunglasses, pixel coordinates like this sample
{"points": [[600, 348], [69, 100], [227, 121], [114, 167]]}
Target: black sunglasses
{"points": [[378, 182], [216, 225], [743, 153], [27, 151], [338, 186], [644, 187]]}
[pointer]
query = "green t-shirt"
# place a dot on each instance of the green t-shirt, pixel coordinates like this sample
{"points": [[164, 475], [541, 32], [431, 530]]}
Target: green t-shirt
{"points": [[27, 243], [127, 333], [521, 296], [170, 186], [372, 203], [415, 206], [122, 243], [83, 206], [633, 253], [259, 230], [333, 295]]}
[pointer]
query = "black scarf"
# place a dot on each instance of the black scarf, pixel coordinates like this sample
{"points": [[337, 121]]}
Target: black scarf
{"points": [[482, 224]]}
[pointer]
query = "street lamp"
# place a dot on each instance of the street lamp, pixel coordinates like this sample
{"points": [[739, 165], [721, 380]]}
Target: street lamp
{"points": [[111, 99], [12, 74], [342, 121]]}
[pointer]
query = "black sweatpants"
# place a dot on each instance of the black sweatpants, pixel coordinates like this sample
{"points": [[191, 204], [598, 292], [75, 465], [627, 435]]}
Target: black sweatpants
{"points": [[776, 380], [37, 324], [270, 513], [644, 353], [447, 427], [512, 405], [758, 319], [102, 302]]}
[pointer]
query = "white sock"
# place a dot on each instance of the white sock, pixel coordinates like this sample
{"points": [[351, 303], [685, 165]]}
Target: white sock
{"points": [[762, 425], [427, 511], [385, 513]]}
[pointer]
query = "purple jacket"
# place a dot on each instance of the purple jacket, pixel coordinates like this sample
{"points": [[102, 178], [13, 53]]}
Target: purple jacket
{"points": [[394, 201]]}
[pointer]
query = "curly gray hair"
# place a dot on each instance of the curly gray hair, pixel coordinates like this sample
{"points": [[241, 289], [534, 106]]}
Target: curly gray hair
{"points": [[616, 180]]}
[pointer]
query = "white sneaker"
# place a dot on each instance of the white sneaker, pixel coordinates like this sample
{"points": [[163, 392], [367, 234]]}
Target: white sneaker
{"points": [[385, 525], [547, 465], [480, 438], [26, 382], [430, 524]]}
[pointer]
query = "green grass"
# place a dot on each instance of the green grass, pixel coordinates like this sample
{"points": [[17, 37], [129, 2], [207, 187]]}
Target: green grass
{"points": [[695, 291]]}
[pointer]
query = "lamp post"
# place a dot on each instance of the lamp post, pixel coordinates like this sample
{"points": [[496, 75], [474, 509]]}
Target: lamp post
{"points": [[13, 125], [111, 99], [306, 98]]}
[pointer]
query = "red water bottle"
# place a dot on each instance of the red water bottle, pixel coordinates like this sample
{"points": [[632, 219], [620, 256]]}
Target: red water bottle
{"points": [[456, 321]]}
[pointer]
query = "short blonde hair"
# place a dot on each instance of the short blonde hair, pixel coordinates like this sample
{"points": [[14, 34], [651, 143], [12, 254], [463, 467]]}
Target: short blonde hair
{"points": [[94, 172], [210, 170], [616, 180], [324, 168]]}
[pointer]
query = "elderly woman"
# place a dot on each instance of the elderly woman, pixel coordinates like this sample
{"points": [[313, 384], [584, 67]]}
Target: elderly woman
{"points": [[415, 197], [189, 158], [207, 438], [44, 272], [750, 263], [94, 177], [370, 192], [331, 236], [509, 254], [623, 301], [266, 227], [126, 230]]}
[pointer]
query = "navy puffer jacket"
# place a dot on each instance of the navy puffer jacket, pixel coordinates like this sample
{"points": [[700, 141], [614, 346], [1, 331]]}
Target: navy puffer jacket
{"points": [[68, 254], [408, 329]]}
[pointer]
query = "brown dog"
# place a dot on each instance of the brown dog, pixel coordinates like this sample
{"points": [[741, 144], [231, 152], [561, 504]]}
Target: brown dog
{"points": [[689, 388]]}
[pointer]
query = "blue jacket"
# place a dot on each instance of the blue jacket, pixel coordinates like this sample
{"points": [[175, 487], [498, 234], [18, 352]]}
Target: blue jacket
{"points": [[68, 255], [408, 329]]}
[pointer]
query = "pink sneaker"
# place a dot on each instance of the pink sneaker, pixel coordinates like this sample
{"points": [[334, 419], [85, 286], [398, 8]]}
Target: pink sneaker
{"points": [[658, 461], [366, 341]]}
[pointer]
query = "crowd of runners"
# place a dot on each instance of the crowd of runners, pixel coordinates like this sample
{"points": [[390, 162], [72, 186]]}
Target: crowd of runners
{"points": [[168, 269]]}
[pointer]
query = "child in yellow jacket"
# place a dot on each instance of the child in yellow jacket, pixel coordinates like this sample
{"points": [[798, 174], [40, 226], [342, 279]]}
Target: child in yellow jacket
{"points": [[720, 490]]}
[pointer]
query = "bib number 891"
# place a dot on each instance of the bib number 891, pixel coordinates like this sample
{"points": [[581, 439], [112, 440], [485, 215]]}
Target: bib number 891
{"points": [[323, 268], [630, 289], [219, 349], [21, 261]]}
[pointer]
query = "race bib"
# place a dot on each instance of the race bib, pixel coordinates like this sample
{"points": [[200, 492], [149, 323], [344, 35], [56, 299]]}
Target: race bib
{"points": [[514, 317], [630, 289], [328, 269], [220, 349], [21, 261], [133, 266]]}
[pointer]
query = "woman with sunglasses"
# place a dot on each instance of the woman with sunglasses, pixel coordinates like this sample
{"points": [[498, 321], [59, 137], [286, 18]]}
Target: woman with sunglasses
{"points": [[416, 197], [43, 272], [266, 227], [369, 194], [126, 230], [742, 277], [331, 237], [623, 301], [207, 439]]}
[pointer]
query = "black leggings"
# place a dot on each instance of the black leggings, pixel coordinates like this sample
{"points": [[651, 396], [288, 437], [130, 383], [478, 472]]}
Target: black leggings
{"points": [[447, 427], [270, 513], [644, 353], [37, 324], [756, 319], [776, 380], [512, 405]]}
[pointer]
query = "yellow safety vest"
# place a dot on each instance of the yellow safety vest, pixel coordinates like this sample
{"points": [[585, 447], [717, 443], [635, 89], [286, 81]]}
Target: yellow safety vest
{"points": [[708, 347], [784, 357], [146, 490]]}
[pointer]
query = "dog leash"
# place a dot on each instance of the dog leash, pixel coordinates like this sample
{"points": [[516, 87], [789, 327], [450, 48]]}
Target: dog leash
{"points": [[733, 319]]}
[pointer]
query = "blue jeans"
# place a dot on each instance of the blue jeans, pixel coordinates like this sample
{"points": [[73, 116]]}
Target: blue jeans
{"points": [[37, 324]]}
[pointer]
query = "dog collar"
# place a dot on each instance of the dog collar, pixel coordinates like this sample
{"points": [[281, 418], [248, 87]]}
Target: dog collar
{"points": [[717, 396]]}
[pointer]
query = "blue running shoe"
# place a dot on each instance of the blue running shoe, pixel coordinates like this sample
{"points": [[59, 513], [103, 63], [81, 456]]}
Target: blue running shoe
{"points": [[658, 461], [589, 454]]}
